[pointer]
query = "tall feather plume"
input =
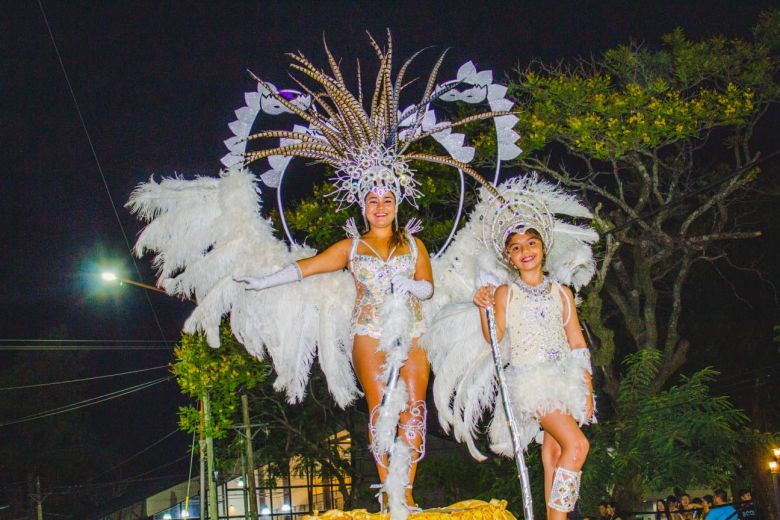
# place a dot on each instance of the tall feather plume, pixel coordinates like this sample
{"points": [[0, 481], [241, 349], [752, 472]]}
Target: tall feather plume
{"points": [[346, 127]]}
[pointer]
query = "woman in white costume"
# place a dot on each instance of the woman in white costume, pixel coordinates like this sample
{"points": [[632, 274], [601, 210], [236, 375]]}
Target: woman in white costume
{"points": [[209, 233], [383, 260], [391, 268], [549, 374]]}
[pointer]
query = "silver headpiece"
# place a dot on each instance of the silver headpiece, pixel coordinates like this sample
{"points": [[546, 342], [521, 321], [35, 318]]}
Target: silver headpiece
{"points": [[528, 203], [368, 146], [517, 211], [374, 169]]}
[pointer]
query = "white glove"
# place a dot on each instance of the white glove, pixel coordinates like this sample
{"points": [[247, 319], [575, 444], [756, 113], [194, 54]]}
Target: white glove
{"points": [[291, 273], [422, 289]]}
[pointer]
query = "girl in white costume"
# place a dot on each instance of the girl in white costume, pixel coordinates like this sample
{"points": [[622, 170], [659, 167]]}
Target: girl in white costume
{"points": [[548, 383], [549, 373]]}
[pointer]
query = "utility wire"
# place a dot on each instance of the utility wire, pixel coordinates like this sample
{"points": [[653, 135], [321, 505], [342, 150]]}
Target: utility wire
{"points": [[39, 385], [51, 340], [128, 459], [97, 162], [171, 463], [86, 402], [69, 488], [96, 347]]}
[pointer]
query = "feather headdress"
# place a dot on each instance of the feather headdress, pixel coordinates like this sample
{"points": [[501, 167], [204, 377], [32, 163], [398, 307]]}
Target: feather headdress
{"points": [[526, 202], [368, 148]]}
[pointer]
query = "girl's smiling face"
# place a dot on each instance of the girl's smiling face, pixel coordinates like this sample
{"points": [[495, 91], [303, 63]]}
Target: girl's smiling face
{"points": [[525, 251]]}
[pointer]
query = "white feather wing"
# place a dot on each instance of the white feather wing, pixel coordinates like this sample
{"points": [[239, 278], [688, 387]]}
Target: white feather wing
{"points": [[208, 230]]}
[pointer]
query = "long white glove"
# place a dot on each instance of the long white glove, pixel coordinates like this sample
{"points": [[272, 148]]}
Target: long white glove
{"points": [[289, 274], [422, 289]]}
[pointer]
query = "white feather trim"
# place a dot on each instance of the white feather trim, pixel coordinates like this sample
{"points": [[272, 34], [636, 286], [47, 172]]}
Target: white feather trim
{"points": [[398, 479], [387, 420]]}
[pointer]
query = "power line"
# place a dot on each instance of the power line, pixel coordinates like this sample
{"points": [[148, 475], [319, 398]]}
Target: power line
{"points": [[128, 459], [75, 346], [86, 402], [97, 162], [39, 385], [68, 488], [171, 463], [52, 340]]}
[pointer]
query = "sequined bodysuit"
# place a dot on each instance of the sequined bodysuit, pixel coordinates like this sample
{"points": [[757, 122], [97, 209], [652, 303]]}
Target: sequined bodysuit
{"points": [[373, 280], [530, 312]]}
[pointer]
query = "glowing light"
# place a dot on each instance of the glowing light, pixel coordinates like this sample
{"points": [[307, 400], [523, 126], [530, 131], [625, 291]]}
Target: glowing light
{"points": [[185, 514], [776, 453], [108, 276], [167, 516], [265, 511], [774, 467], [286, 507]]}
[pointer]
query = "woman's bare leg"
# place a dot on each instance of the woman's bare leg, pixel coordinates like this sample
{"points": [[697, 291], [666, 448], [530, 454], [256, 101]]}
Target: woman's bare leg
{"points": [[415, 374], [368, 368], [574, 447]]}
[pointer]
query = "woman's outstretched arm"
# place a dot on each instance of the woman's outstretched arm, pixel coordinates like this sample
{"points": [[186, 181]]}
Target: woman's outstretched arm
{"points": [[332, 259]]}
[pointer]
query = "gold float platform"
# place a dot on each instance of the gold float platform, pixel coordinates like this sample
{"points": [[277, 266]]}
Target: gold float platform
{"points": [[465, 510]]}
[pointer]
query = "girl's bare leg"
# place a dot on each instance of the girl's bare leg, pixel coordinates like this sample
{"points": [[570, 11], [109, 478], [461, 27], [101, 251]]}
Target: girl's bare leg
{"points": [[415, 374], [551, 452], [368, 368], [574, 448]]}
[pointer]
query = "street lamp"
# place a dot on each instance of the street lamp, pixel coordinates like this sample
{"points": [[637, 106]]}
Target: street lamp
{"points": [[108, 276], [774, 469]]}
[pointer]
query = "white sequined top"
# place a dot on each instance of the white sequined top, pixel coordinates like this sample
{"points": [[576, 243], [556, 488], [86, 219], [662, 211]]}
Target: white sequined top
{"points": [[535, 321], [372, 278]]}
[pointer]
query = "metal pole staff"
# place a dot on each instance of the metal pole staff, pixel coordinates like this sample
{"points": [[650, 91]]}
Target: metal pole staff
{"points": [[522, 469]]}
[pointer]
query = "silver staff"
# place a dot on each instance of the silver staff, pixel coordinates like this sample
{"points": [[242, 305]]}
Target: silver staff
{"points": [[522, 469]]}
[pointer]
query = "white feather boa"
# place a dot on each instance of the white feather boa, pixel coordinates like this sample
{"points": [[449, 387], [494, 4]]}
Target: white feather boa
{"points": [[395, 320], [398, 479]]}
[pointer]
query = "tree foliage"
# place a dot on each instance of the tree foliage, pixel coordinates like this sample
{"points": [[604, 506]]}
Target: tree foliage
{"points": [[660, 142], [221, 373]]}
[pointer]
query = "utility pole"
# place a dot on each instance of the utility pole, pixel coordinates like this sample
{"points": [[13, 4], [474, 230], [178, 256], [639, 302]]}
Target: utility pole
{"points": [[250, 458], [202, 446], [38, 498], [210, 460]]}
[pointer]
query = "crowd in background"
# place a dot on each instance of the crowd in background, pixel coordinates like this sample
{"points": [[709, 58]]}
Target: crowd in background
{"points": [[708, 507]]}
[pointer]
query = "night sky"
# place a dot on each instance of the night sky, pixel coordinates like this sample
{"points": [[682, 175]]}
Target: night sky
{"points": [[157, 83]]}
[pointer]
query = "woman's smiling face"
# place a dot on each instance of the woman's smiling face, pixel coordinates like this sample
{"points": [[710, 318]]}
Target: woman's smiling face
{"points": [[380, 210]]}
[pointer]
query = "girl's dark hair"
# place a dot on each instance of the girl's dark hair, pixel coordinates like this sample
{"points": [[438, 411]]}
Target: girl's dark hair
{"points": [[530, 231]]}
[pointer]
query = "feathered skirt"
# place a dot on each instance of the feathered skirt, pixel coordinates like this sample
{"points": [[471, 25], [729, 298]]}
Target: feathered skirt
{"points": [[535, 390], [464, 386]]}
